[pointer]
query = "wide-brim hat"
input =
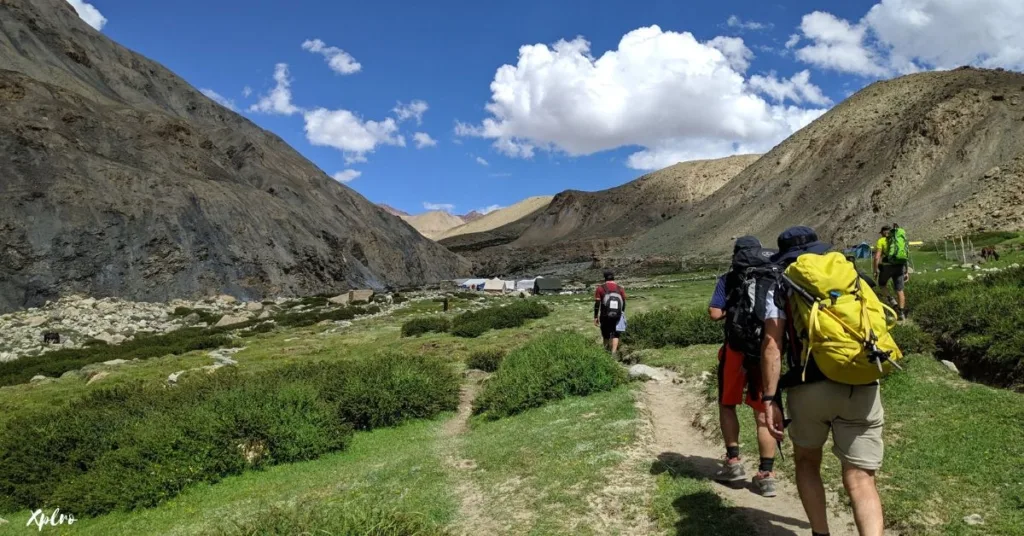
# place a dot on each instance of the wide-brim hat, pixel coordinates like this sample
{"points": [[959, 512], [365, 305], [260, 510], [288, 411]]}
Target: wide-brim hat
{"points": [[796, 241]]}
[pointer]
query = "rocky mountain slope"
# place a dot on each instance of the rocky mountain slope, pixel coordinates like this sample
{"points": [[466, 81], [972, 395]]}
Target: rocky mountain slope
{"points": [[939, 153], [120, 179], [499, 217], [434, 223], [578, 226], [392, 210]]}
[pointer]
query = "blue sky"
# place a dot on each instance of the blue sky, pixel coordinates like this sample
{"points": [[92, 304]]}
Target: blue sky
{"points": [[714, 78]]}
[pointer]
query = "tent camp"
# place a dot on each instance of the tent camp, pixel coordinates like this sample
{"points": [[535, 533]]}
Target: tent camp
{"points": [[473, 284], [861, 251], [547, 285], [525, 284], [494, 286], [510, 286]]}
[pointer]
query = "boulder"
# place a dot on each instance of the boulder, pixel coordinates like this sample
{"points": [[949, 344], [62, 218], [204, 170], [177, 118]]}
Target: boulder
{"points": [[340, 299], [254, 307], [7, 356], [36, 321], [71, 374], [264, 315], [114, 362], [360, 296], [88, 303], [96, 376], [173, 377], [951, 366], [224, 298], [106, 307], [39, 378], [644, 372], [974, 520], [231, 320]]}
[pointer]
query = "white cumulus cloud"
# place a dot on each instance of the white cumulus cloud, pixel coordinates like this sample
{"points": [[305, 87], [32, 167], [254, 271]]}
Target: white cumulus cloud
{"points": [[346, 176], [423, 140], [345, 131], [736, 22], [246, 91], [798, 88], [219, 99], [482, 162], [447, 207], [903, 36], [88, 13], [667, 92], [413, 110], [338, 60], [279, 100]]}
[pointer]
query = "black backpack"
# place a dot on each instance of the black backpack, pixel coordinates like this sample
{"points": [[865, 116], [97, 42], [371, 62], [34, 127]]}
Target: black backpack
{"points": [[747, 284], [612, 303]]}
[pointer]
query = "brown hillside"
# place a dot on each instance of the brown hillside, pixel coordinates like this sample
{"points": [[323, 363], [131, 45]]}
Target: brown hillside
{"points": [[432, 224], [118, 178], [392, 210], [938, 153], [578, 226], [499, 217]]}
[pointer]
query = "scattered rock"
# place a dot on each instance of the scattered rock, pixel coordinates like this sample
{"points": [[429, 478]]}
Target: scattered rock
{"points": [[974, 520], [254, 306], [264, 315], [96, 376], [340, 299], [39, 378], [70, 374], [951, 366], [173, 377], [230, 320], [7, 356], [114, 362], [106, 307], [36, 321], [994, 172], [224, 298], [644, 372]]}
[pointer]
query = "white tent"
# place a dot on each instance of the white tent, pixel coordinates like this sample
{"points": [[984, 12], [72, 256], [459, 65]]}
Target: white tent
{"points": [[473, 284], [510, 286], [494, 286], [525, 284]]}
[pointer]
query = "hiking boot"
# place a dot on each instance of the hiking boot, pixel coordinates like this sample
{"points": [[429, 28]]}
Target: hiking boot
{"points": [[902, 314], [765, 482], [731, 471]]}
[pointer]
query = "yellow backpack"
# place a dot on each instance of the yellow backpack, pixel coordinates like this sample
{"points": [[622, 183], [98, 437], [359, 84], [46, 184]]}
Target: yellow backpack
{"points": [[840, 320]]}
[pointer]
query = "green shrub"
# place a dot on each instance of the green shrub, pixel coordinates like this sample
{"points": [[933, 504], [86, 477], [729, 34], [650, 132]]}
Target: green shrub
{"points": [[428, 324], [333, 517], [398, 298], [486, 360], [551, 367], [978, 327], [474, 323], [912, 339], [141, 347], [672, 327], [309, 318], [137, 445]]}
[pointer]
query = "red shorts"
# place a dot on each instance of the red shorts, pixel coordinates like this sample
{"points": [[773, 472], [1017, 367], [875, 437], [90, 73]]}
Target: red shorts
{"points": [[733, 378]]}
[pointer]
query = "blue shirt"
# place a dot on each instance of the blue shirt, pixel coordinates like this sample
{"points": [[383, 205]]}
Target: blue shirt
{"points": [[718, 298]]}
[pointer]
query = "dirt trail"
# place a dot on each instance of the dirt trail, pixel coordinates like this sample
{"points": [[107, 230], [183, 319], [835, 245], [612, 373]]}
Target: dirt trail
{"points": [[473, 513], [672, 408]]}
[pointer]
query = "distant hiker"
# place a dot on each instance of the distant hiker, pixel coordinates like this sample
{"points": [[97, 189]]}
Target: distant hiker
{"points": [[892, 254], [609, 310], [834, 331], [51, 337], [739, 300], [445, 303]]}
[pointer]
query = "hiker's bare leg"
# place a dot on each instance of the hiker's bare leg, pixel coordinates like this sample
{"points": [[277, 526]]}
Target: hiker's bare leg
{"points": [[765, 441], [867, 506], [902, 297], [812, 491], [730, 425], [615, 345]]}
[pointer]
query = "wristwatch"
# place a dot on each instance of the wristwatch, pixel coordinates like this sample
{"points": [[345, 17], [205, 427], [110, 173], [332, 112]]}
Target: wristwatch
{"points": [[767, 398]]}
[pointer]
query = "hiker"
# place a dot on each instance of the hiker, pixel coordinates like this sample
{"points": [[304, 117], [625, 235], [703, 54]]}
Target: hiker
{"points": [[890, 264], [609, 311], [739, 300], [831, 382]]}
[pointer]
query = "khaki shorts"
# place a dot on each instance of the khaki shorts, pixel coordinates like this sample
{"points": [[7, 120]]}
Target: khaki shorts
{"points": [[853, 413]]}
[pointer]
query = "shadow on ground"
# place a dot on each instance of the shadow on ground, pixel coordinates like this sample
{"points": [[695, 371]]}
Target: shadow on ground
{"points": [[704, 512]]}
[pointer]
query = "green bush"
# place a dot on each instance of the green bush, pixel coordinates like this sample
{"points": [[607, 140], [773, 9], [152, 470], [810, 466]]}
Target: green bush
{"points": [[309, 318], [474, 323], [551, 367], [428, 324], [141, 347], [912, 339], [333, 517], [672, 327], [978, 327], [138, 445], [398, 298], [486, 360]]}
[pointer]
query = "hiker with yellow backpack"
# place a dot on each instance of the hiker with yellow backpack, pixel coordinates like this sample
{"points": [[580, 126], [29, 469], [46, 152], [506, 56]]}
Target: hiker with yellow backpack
{"points": [[835, 334]]}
